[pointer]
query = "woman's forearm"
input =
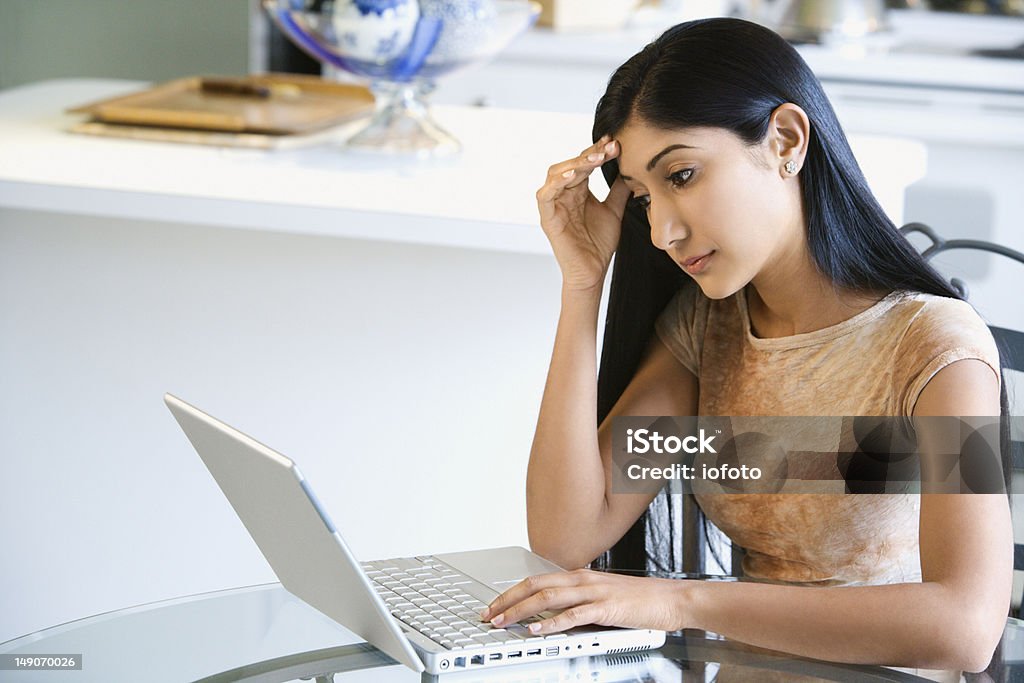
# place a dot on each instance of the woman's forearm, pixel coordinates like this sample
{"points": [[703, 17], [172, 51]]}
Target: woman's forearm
{"points": [[565, 481], [908, 624]]}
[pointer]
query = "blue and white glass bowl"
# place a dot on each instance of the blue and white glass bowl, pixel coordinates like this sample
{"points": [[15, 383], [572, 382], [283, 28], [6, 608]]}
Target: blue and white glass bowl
{"points": [[402, 47]]}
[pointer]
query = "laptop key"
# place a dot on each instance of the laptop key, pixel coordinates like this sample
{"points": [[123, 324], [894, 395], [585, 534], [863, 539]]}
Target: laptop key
{"points": [[519, 630], [405, 563], [502, 636], [426, 574]]}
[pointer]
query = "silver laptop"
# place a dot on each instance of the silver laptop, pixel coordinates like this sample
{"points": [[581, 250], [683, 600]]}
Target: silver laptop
{"points": [[422, 611]]}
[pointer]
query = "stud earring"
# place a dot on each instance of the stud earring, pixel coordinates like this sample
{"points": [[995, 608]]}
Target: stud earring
{"points": [[790, 167]]}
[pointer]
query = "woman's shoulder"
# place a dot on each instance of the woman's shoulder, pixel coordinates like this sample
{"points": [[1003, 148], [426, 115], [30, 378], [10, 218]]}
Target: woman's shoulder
{"points": [[937, 332], [687, 319], [932, 318], [691, 297], [688, 304]]}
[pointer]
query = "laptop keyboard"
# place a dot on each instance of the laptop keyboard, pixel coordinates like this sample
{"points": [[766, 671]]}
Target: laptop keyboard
{"points": [[435, 600]]}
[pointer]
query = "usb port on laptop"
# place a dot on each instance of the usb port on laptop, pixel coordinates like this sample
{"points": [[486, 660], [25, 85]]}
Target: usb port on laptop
{"points": [[533, 653]]}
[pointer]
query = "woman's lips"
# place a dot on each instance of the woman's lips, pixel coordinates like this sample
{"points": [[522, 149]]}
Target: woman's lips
{"points": [[697, 264]]}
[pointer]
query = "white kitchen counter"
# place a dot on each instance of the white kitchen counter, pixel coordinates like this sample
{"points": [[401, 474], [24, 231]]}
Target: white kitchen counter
{"points": [[922, 48], [481, 199]]}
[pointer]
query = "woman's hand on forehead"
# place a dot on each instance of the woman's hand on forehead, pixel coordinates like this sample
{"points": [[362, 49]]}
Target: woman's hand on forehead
{"points": [[583, 231]]}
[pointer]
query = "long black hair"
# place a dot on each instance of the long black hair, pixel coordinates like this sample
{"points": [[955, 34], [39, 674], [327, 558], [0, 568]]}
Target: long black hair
{"points": [[732, 74]]}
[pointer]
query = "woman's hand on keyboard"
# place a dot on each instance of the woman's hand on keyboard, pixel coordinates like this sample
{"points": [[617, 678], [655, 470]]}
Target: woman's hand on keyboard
{"points": [[588, 597]]}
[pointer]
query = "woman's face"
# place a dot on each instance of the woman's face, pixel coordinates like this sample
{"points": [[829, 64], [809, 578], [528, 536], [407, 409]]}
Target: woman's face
{"points": [[726, 212]]}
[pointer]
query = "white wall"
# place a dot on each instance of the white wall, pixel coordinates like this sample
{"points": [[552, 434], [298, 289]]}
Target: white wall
{"points": [[138, 39], [404, 380]]}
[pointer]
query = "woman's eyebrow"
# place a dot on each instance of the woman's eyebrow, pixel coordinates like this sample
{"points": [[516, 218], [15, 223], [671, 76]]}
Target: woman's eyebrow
{"points": [[657, 157]]}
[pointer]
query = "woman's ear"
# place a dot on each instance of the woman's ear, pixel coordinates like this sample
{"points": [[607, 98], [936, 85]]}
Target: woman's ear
{"points": [[789, 131]]}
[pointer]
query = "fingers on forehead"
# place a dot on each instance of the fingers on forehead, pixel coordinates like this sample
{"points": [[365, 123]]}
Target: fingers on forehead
{"points": [[602, 144]]}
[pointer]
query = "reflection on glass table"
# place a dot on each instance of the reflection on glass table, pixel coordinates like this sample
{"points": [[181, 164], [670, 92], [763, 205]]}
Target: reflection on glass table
{"points": [[262, 633]]}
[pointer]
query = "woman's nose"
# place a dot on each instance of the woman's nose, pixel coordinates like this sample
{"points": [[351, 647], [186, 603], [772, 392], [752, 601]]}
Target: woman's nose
{"points": [[666, 225]]}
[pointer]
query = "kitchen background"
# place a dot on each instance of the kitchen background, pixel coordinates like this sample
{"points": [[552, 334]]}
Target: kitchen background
{"points": [[326, 347]]}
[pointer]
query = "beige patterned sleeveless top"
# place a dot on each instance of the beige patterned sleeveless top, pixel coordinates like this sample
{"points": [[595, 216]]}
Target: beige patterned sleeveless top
{"points": [[873, 364]]}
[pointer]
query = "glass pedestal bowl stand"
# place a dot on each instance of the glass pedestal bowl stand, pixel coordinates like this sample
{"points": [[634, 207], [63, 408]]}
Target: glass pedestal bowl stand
{"points": [[402, 47]]}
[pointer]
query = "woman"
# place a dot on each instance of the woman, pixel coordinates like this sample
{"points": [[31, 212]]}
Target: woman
{"points": [[728, 170]]}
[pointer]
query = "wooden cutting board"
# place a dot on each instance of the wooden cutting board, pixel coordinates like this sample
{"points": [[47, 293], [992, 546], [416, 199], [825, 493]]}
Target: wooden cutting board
{"points": [[264, 104]]}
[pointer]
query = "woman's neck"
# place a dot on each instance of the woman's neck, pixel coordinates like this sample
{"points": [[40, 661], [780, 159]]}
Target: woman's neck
{"points": [[800, 299]]}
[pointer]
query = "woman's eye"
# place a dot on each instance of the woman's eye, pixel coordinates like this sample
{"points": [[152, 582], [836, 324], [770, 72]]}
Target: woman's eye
{"points": [[680, 177], [642, 201]]}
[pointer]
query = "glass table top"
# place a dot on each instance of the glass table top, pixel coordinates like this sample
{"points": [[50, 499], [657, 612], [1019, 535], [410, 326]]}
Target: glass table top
{"points": [[263, 633]]}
